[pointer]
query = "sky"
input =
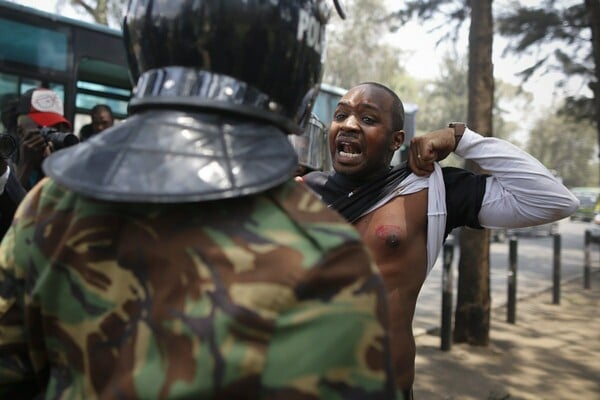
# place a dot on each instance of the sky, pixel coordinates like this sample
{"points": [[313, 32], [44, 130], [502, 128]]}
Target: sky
{"points": [[416, 40], [46, 5], [420, 45]]}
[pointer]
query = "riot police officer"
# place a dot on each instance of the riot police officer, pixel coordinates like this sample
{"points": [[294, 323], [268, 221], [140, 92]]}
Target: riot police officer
{"points": [[174, 255]]}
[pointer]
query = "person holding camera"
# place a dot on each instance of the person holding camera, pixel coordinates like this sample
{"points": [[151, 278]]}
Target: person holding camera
{"points": [[41, 129]]}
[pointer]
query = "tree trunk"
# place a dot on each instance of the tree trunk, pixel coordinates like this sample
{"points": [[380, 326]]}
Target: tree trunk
{"points": [[473, 300], [593, 11]]}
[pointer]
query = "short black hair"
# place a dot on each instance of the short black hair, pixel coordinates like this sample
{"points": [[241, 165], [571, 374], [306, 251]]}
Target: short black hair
{"points": [[101, 107], [397, 106]]}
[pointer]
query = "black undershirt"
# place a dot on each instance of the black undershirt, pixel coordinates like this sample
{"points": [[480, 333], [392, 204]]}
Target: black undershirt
{"points": [[464, 193]]}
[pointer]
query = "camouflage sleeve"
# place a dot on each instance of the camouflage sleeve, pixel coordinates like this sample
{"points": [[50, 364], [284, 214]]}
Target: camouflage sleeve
{"points": [[14, 362], [333, 343], [17, 375]]}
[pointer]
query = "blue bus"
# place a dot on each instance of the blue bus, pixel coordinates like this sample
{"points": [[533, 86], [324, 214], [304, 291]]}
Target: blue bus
{"points": [[84, 63]]}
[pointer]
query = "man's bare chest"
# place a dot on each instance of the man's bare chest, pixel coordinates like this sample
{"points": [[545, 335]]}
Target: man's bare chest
{"points": [[393, 228]]}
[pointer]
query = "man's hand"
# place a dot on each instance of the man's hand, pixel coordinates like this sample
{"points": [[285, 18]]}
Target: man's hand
{"points": [[426, 149], [34, 149]]}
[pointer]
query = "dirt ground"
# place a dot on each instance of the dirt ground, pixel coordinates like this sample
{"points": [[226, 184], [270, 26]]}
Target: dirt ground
{"points": [[551, 352]]}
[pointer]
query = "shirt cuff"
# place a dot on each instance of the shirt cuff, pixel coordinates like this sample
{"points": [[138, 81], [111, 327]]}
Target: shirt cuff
{"points": [[465, 141]]}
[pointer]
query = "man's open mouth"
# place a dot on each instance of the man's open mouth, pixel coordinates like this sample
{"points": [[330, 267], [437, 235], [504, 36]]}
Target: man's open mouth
{"points": [[348, 149]]}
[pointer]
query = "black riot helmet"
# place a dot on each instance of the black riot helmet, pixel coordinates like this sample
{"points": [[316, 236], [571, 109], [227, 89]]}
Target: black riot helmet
{"points": [[261, 58], [219, 85]]}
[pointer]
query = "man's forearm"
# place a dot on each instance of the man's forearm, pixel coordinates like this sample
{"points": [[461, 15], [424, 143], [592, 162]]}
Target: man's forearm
{"points": [[521, 191]]}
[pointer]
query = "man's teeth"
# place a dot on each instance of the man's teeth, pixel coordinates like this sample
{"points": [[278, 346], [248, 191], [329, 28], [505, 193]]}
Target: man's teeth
{"points": [[351, 155]]}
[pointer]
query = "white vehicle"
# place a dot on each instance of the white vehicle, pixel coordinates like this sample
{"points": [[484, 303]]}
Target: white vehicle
{"points": [[537, 230]]}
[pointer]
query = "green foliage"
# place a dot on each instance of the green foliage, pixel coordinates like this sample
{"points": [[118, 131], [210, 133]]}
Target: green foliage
{"points": [[357, 51], [445, 99], [581, 108], [544, 24], [558, 35], [510, 99], [427, 9], [455, 12], [566, 145]]}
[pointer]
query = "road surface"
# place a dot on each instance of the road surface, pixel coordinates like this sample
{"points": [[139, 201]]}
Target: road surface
{"points": [[534, 271]]}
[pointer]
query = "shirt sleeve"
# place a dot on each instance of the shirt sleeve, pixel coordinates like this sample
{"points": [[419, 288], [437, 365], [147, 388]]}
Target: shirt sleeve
{"points": [[520, 191]]}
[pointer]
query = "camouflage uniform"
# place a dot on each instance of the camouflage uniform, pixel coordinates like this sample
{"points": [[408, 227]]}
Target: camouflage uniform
{"points": [[264, 297]]}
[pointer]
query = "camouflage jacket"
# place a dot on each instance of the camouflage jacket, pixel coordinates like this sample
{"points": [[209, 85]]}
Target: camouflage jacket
{"points": [[271, 296]]}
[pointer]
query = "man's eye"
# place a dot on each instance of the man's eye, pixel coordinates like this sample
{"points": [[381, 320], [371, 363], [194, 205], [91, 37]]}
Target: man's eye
{"points": [[368, 120], [339, 116]]}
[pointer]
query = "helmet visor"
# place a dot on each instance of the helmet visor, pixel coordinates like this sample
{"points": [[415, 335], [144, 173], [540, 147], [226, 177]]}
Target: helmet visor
{"points": [[310, 145]]}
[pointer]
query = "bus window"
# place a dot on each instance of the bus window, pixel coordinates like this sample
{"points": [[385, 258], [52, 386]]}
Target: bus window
{"points": [[326, 102], [82, 119], [89, 94], [9, 87], [9, 84], [12, 86], [33, 45], [57, 88], [84, 63]]}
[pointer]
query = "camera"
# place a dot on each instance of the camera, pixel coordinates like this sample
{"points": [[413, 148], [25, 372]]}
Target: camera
{"points": [[8, 145], [58, 139]]}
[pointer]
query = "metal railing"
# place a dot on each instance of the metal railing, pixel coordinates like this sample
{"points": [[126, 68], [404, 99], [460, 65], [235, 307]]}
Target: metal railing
{"points": [[447, 280]]}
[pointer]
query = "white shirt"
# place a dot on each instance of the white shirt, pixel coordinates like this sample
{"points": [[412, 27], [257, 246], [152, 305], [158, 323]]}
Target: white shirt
{"points": [[520, 191]]}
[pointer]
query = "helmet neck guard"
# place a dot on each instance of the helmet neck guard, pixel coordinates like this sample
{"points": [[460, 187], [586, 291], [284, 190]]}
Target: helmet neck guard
{"points": [[175, 156]]}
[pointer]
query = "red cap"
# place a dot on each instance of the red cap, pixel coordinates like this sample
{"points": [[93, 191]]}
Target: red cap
{"points": [[43, 106]]}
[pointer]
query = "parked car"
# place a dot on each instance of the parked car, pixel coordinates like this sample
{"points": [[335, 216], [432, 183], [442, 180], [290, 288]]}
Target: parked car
{"points": [[537, 230], [595, 228], [589, 203], [498, 235]]}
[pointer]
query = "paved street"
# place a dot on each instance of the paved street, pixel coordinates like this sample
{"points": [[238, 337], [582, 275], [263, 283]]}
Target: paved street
{"points": [[551, 352], [534, 271]]}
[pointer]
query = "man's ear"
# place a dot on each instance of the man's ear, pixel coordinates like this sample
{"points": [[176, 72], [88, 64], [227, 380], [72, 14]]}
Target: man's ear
{"points": [[397, 139]]}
